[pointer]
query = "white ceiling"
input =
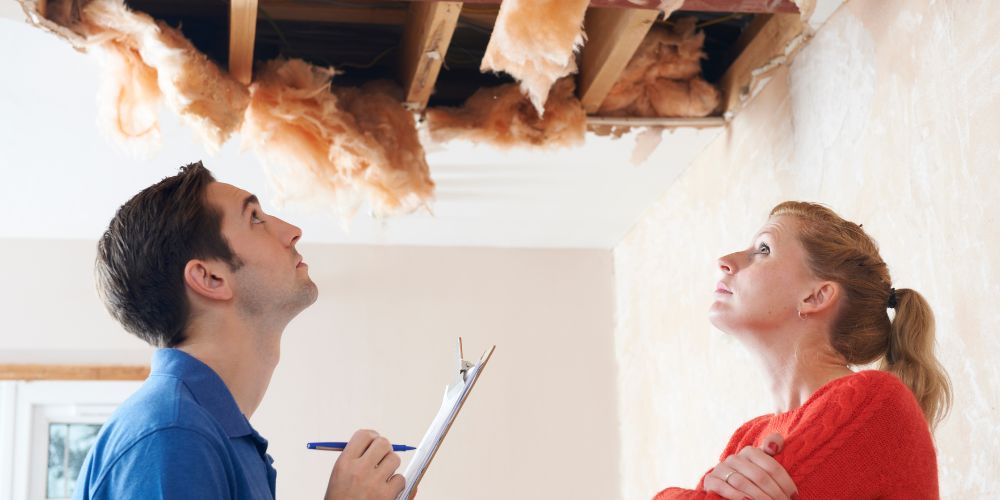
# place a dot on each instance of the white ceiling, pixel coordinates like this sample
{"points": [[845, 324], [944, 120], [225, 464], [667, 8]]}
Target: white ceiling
{"points": [[62, 179]]}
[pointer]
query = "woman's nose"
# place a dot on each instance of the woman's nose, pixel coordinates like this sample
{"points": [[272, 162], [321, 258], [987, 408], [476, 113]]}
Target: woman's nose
{"points": [[726, 264]]}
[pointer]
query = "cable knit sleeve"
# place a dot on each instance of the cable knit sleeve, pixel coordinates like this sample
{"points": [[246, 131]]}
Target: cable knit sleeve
{"points": [[747, 432], [862, 436]]}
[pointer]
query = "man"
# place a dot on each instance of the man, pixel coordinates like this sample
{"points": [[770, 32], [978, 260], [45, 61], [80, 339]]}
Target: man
{"points": [[195, 267]]}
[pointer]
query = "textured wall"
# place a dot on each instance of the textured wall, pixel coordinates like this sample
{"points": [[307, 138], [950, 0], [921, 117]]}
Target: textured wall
{"points": [[889, 116], [376, 351]]}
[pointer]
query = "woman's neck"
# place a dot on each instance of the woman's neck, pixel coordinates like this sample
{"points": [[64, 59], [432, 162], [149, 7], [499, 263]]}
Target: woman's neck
{"points": [[797, 369]]}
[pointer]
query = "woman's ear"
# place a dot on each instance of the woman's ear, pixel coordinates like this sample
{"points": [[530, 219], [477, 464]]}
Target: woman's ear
{"points": [[203, 279], [823, 298]]}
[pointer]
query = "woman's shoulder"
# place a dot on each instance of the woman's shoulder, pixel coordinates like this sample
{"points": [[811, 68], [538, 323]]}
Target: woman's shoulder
{"points": [[866, 402], [867, 389], [871, 413]]}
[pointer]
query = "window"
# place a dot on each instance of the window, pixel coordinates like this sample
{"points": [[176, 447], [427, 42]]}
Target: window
{"points": [[46, 430], [68, 446]]}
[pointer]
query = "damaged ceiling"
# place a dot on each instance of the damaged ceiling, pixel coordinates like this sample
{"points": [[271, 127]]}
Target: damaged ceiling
{"points": [[432, 51]]}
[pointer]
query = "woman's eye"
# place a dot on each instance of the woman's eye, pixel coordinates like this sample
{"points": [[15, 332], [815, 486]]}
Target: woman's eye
{"points": [[255, 218], [764, 249]]}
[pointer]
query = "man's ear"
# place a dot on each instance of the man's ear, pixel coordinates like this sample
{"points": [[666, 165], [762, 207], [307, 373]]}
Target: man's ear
{"points": [[204, 279], [823, 297]]}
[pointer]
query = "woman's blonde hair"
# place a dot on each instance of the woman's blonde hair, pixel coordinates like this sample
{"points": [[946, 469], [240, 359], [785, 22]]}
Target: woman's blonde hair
{"points": [[863, 333]]}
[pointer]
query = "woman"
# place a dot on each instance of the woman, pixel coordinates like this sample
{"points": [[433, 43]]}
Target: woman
{"points": [[811, 297]]}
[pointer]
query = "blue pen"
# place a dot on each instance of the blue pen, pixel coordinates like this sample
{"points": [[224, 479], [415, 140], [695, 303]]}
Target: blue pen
{"points": [[340, 445]]}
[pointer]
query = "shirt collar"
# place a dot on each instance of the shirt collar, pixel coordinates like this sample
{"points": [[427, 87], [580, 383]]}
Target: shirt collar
{"points": [[207, 387]]}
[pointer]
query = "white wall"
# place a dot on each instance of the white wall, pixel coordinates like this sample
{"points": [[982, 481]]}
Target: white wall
{"points": [[890, 117], [376, 351]]}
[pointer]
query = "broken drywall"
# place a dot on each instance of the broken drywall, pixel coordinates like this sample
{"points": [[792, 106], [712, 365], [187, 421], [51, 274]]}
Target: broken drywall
{"points": [[504, 117], [663, 78], [535, 42]]}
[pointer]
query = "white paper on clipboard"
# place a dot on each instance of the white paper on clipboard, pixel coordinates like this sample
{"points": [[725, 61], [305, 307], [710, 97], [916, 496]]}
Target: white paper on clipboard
{"points": [[455, 395]]}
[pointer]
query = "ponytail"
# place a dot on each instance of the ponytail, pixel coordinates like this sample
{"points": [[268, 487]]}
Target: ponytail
{"points": [[910, 355], [863, 332]]}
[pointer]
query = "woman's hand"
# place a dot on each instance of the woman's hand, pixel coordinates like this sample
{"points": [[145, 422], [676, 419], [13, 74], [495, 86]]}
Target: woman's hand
{"points": [[752, 473]]}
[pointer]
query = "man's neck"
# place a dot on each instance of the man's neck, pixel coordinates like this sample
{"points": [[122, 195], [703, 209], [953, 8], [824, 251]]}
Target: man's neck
{"points": [[242, 356]]}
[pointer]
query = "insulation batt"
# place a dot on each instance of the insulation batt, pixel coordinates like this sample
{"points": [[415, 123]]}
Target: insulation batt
{"points": [[148, 62], [534, 41], [663, 77], [353, 145], [503, 116]]}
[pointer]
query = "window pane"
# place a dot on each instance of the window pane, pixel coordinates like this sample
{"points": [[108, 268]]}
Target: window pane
{"points": [[68, 446], [57, 450]]}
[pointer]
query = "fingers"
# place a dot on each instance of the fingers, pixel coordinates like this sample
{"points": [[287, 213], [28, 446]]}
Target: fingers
{"points": [[376, 452], [774, 472], [751, 480], [716, 482], [359, 443], [773, 444], [396, 484], [389, 464], [366, 469]]}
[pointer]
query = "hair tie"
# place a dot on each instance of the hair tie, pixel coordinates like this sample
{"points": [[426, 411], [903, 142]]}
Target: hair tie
{"points": [[892, 298]]}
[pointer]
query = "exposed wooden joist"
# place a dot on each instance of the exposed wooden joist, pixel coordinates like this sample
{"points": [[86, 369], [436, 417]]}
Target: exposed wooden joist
{"points": [[242, 32], [325, 13], [775, 39], [741, 6], [72, 372], [706, 122], [426, 38], [613, 35]]}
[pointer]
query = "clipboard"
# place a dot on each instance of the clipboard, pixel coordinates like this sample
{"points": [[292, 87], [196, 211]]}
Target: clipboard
{"points": [[455, 395]]}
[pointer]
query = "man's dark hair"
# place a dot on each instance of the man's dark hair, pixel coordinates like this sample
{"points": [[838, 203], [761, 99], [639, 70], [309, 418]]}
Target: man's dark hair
{"points": [[141, 257]]}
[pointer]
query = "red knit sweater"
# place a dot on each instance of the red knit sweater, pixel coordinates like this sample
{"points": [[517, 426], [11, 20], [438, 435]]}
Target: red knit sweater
{"points": [[860, 436]]}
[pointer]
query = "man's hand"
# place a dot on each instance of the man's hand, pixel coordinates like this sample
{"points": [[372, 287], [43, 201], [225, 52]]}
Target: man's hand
{"points": [[752, 473], [366, 470]]}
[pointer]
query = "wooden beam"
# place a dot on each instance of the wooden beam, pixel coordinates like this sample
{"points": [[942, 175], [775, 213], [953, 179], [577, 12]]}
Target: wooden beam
{"points": [[325, 13], [624, 121], [73, 372], [775, 41], [613, 35], [738, 6], [242, 32], [426, 38]]}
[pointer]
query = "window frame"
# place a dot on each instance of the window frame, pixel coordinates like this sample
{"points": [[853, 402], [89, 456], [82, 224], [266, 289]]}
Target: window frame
{"points": [[27, 410]]}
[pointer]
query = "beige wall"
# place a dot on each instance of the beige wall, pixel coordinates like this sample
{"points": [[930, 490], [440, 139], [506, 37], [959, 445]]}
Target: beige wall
{"points": [[890, 116], [376, 351]]}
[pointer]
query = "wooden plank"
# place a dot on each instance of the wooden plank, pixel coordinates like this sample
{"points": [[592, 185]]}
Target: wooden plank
{"points": [[426, 38], [242, 32], [325, 13], [611, 121], [613, 35], [740, 6], [772, 46], [72, 372]]}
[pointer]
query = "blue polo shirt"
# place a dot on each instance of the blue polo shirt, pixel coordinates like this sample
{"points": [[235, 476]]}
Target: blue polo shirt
{"points": [[180, 436]]}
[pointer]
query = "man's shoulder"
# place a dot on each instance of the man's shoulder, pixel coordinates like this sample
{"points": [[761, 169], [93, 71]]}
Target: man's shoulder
{"points": [[160, 420], [162, 402], [162, 408]]}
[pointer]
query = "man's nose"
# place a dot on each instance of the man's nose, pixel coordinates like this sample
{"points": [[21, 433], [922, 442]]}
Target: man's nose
{"points": [[290, 232]]}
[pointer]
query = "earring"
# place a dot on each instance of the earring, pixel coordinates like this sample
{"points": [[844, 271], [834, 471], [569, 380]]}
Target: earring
{"points": [[801, 316]]}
